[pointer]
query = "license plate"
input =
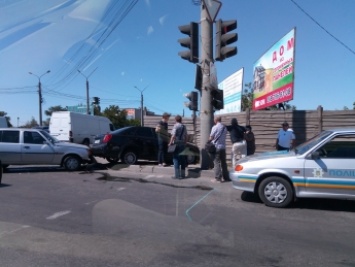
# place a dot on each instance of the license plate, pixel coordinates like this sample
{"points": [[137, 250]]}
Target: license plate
{"points": [[97, 141]]}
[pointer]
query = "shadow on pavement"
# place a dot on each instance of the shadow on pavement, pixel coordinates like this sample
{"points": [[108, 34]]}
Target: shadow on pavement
{"points": [[309, 203]]}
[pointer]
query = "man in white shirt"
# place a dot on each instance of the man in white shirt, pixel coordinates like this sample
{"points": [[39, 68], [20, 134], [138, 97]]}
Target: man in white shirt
{"points": [[285, 138]]}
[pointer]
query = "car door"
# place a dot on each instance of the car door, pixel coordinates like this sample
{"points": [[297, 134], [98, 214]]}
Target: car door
{"points": [[36, 149], [333, 172], [10, 148], [148, 143]]}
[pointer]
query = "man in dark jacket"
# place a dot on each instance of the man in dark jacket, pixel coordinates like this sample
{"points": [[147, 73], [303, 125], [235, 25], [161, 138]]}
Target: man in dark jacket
{"points": [[163, 138], [239, 149]]}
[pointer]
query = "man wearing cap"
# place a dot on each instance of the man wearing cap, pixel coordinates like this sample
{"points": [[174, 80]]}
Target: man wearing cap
{"points": [[163, 138], [285, 138]]}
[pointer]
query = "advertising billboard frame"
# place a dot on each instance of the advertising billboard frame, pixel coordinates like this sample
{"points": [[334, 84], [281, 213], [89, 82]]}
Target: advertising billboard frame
{"points": [[232, 87], [273, 73]]}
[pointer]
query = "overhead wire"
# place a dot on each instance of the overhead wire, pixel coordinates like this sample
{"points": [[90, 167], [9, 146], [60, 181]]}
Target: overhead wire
{"points": [[323, 28]]}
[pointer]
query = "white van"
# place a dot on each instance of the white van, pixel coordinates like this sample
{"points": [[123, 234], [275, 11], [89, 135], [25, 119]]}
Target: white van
{"points": [[3, 122], [77, 127]]}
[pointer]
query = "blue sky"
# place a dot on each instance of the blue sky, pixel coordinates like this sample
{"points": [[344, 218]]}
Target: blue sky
{"points": [[125, 45]]}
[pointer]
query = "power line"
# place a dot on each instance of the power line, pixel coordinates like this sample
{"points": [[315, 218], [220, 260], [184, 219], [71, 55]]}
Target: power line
{"points": [[324, 29]]}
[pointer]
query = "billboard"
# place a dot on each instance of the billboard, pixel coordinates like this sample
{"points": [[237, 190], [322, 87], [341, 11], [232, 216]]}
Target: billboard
{"points": [[232, 88], [273, 73]]}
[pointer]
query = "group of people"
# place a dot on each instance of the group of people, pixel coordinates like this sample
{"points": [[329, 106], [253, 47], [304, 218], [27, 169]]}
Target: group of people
{"points": [[178, 138], [242, 138], [243, 141], [243, 144]]}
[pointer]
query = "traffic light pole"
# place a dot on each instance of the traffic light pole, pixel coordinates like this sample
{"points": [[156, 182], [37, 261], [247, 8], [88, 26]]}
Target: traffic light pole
{"points": [[206, 112]]}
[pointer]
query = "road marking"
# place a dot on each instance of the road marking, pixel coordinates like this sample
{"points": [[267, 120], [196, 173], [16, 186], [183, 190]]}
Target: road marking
{"points": [[195, 204], [58, 214], [13, 231], [88, 203], [121, 188]]}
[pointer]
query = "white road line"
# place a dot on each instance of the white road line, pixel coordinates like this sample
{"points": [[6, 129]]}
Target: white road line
{"points": [[58, 214], [13, 231], [88, 203]]}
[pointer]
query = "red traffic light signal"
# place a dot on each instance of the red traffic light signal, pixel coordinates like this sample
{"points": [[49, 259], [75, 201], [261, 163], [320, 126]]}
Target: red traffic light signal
{"points": [[224, 38]]}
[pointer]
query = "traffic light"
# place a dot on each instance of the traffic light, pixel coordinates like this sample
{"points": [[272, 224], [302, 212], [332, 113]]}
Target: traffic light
{"points": [[217, 98], [96, 100], [224, 38], [193, 104], [190, 42], [198, 77]]}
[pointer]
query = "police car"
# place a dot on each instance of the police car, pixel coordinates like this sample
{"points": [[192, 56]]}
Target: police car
{"points": [[322, 167]]}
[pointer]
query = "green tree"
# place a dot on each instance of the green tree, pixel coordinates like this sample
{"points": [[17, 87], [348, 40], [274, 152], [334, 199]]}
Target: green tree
{"points": [[247, 96], [118, 117], [30, 124], [3, 114], [49, 111]]}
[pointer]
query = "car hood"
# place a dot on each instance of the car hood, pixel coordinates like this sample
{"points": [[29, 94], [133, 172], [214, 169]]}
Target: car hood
{"points": [[268, 155], [73, 145]]}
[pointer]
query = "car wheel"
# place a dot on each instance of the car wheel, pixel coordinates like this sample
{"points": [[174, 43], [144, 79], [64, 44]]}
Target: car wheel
{"points": [[275, 192], [191, 159], [72, 163], [129, 157]]}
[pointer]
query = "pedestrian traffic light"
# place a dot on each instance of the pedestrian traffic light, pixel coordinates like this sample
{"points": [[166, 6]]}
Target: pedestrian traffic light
{"points": [[190, 42], [96, 100], [193, 103], [224, 38], [217, 98]]}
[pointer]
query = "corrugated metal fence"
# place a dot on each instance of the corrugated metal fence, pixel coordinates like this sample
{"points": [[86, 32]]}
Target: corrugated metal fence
{"points": [[266, 123]]}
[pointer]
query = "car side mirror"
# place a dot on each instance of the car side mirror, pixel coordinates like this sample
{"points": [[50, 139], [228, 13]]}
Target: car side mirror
{"points": [[315, 155]]}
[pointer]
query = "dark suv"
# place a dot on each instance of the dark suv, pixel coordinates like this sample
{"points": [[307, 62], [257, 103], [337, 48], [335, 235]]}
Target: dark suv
{"points": [[134, 142]]}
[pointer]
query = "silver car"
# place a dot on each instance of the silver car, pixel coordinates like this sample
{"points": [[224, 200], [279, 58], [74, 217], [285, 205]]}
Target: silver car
{"points": [[322, 167], [36, 147]]}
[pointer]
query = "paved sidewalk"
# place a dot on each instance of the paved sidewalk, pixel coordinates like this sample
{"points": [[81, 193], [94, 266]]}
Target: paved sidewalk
{"points": [[152, 172]]}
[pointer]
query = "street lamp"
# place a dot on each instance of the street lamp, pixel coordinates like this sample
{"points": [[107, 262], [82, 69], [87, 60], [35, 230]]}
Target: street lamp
{"points": [[141, 91], [40, 99], [87, 90]]}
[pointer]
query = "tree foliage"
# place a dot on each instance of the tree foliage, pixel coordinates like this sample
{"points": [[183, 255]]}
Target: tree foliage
{"points": [[3, 114], [30, 124], [50, 110], [118, 117]]}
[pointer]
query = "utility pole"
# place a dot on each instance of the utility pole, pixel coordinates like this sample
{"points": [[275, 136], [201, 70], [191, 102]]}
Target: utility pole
{"points": [[87, 90], [40, 99], [142, 113], [206, 113]]}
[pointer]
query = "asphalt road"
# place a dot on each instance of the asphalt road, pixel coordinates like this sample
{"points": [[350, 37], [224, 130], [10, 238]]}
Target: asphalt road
{"points": [[51, 217]]}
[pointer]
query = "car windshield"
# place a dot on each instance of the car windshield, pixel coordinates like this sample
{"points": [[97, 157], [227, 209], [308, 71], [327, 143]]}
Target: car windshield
{"points": [[304, 147], [49, 137]]}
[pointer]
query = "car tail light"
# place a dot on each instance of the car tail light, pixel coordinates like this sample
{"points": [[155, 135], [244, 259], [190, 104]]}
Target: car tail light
{"points": [[238, 168], [107, 138]]}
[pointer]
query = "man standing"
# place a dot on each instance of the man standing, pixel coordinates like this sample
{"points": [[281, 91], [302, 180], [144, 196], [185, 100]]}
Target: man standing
{"points": [[239, 149], [285, 138], [218, 138], [179, 138], [163, 138]]}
